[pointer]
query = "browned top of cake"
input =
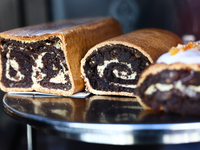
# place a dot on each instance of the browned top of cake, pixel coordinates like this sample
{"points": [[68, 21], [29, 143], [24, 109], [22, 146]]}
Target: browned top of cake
{"points": [[62, 26], [151, 42], [159, 67]]}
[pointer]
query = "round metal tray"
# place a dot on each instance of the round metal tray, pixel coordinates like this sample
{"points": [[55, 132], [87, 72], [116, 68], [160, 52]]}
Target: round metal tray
{"points": [[102, 119]]}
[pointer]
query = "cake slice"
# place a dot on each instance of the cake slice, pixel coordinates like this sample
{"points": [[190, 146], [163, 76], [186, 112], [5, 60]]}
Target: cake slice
{"points": [[172, 84], [113, 67], [46, 57]]}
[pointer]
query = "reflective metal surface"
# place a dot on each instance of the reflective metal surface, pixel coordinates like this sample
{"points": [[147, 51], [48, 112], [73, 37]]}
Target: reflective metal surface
{"points": [[102, 119]]}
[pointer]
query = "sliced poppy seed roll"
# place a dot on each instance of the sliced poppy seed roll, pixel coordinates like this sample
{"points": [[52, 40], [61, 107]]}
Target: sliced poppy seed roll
{"points": [[113, 67], [172, 84], [46, 57]]}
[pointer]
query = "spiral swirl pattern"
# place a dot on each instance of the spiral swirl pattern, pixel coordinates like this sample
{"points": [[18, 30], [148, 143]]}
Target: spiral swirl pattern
{"points": [[115, 68]]}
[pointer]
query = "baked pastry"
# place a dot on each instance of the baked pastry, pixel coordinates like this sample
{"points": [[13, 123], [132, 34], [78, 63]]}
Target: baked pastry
{"points": [[113, 67], [59, 108], [172, 83], [46, 57], [111, 109]]}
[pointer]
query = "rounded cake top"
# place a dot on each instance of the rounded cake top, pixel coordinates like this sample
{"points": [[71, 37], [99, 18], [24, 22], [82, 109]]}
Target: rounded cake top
{"points": [[189, 53]]}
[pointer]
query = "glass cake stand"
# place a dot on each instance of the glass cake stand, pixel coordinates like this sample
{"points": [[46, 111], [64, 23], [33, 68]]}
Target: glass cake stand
{"points": [[101, 119]]}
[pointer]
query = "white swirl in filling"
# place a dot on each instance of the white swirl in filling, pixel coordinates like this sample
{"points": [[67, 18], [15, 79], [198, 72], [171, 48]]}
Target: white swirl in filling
{"points": [[125, 75], [39, 66], [124, 85], [60, 78], [13, 63], [190, 90], [118, 74], [37, 74]]}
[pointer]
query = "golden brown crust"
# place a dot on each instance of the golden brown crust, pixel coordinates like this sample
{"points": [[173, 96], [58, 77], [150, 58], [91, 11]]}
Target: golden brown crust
{"points": [[158, 67], [94, 34], [152, 43], [76, 41]]}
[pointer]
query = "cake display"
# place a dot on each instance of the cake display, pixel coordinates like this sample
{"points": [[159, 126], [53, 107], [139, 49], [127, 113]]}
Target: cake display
{"points": [[113, 67], [172, 83], [46, 57]]}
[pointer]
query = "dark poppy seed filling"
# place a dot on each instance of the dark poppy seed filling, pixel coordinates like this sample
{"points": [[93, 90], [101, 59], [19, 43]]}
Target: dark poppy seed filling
{"points": [[28, 63], [175, 91], [115, 68]]}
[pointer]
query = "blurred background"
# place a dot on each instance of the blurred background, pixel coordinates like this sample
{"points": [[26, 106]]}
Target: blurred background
{"points": [[178, 16]]}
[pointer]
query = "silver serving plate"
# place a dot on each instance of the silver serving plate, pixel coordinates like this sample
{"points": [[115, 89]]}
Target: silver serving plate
{"points": [[101, 119]]}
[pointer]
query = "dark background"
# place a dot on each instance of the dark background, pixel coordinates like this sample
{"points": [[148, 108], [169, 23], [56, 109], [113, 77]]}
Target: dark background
{"points": [[178, 16]]}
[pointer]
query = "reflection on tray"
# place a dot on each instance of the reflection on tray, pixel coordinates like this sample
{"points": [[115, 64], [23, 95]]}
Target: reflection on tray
{"points": [[60, 108], [93, 109], [110, 109], [150, 116]]}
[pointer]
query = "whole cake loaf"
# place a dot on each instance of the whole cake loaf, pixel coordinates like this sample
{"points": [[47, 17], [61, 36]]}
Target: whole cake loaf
{"points": [[113, 67], [46, 57], [172, 84]]}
